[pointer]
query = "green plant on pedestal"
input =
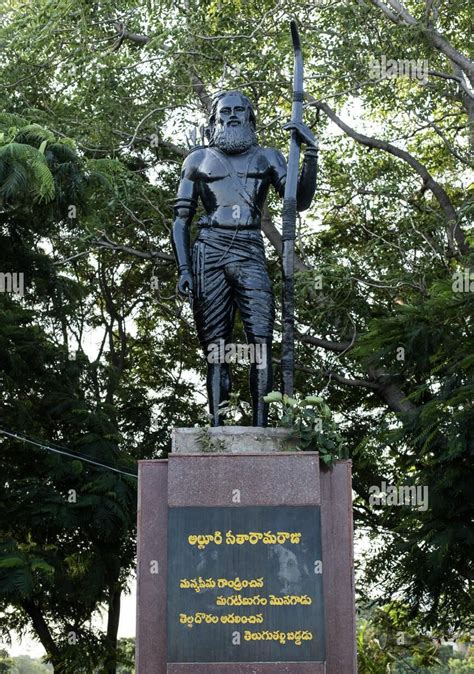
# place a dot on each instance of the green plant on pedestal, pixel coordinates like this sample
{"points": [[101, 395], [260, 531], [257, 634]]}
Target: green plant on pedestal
{"points": [[208, 444], [236, 412], [312, 424]]}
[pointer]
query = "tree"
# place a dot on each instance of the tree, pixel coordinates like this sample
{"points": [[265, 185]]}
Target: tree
{"points": [[66, 545]]}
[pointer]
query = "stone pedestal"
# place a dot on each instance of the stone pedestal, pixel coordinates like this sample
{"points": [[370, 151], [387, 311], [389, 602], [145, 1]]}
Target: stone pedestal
{"points": [[244, 480]]}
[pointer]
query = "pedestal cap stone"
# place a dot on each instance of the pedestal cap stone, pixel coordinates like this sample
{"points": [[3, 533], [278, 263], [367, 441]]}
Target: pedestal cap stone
{"points": [[232, 440]]}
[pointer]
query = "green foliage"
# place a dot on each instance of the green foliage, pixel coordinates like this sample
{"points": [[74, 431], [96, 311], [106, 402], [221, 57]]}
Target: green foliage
{"points": [[311, 422], [464, 666], [126, 656], [23, 664], [388, 642], [24, 174]]}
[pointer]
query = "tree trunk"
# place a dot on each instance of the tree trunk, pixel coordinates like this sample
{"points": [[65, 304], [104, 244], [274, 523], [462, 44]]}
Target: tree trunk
{"points": [[42, 630], [112, 628]]}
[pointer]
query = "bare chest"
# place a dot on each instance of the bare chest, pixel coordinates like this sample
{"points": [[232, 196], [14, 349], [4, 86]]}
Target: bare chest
{"points": [[217, 166]]}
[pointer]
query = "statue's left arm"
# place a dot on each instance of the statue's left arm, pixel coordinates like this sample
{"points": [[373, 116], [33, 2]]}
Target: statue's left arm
{"points": [[307, 177]]}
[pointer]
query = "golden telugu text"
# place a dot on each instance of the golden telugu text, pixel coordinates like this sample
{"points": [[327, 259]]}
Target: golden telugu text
{"points": [[282, 637], [257, 600], [210, 619], [253, 537], [199, 584]]}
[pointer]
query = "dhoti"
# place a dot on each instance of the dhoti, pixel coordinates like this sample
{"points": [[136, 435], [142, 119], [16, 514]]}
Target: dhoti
{"points": [[230, 273]]}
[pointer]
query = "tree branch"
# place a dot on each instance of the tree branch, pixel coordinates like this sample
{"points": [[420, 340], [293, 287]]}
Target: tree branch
{"points": [[454, 233], [105, 242], [394, 397], [337, 347], [41, 628], [123, 34], [199, 89], [364, 383], [397, 13]]}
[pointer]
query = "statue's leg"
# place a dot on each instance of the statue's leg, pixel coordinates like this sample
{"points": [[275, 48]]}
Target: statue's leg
{"points": [[219, 385], [254, 298], [214, 313], [261, 377]]}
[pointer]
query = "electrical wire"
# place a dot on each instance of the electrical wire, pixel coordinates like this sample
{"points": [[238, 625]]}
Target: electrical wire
{"points": [[67, 452]]}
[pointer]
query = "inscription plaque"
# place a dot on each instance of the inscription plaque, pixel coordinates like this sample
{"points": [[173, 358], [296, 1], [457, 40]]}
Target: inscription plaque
{"points": [[245, 584]]}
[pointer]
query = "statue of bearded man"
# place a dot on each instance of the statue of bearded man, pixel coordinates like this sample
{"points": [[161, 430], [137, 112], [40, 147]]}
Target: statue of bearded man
{"points": [[226, 269]]}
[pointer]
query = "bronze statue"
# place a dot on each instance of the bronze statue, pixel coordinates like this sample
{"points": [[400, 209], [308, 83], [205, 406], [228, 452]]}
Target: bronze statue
{"points": [[226, 269]]}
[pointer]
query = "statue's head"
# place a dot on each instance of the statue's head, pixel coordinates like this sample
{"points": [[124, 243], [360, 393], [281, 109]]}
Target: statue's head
{"points": [[232, 122]]}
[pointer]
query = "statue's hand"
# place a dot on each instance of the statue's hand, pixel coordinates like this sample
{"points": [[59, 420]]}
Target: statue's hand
{"points": [[303, 132], [185, 283]]}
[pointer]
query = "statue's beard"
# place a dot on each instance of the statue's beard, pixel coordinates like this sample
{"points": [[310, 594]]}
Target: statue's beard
{"points": [[234, 139]]}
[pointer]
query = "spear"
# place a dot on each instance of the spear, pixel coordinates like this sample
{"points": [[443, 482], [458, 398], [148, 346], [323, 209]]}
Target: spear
{"points": [[289, 222]]}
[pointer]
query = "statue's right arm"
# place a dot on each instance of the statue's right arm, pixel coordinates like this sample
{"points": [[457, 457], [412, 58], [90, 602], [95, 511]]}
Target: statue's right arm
{"points": [[184, 208]]}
